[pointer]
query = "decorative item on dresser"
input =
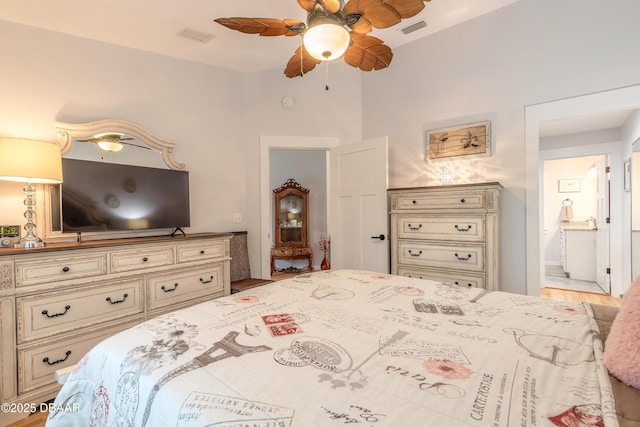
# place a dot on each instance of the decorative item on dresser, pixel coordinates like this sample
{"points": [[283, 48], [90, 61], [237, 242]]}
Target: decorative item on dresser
{"points": [[57, 302], [291, 243], [446, 233]]}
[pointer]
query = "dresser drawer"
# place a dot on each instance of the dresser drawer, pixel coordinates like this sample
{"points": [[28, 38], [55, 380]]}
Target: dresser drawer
{"points": [[468, 199], [201, 251], [457, 228], [32, 272], [41, 316], [141, 258], [466, 257], [453, 277], [179, 286], [37, 364]]}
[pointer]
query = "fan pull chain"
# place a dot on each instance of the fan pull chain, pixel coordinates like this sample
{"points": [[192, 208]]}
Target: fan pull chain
{"points": [[326, 86], [301, 67]]}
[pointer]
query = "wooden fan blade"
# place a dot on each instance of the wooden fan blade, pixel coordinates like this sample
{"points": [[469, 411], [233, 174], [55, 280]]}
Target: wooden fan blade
{"points": [[382, 13], [300, 65], [330, 6], [368, 53], [264, 26]]}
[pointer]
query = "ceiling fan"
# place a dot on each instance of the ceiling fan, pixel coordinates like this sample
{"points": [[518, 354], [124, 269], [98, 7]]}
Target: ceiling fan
{"points": [[112, 141], [334, 28]]}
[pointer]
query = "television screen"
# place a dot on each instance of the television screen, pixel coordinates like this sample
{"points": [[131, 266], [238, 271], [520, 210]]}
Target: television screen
{"points": [[106, 196]]}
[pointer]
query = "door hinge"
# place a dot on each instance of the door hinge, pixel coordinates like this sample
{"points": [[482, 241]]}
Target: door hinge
{"points": [[608, 220], [607, 169], [608, 270]]}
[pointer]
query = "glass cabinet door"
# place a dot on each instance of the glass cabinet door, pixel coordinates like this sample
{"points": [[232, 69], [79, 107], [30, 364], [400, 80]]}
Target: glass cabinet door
{"points": [[291, 215]]}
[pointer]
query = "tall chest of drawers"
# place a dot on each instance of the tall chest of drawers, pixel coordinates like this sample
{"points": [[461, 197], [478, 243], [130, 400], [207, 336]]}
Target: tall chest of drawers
{"points": [[447, 233], [57, 302]]}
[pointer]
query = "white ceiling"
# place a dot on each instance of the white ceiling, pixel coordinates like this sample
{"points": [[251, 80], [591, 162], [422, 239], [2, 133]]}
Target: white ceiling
{"points": [[153, 25]]}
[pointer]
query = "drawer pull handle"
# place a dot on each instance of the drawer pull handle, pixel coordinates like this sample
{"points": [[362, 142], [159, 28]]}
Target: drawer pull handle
{"points": [[467, 258], [468, 284], [463, 229], [145, 259], [46, 312], [124, 297], [202, 252], [415, 254], [46, 359], [65, 269], [414, 228], [175, 286], [204, 282], [462, 200]]}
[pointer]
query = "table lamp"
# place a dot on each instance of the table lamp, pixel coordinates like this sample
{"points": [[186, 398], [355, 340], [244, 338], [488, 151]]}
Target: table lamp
{"points": [[32, 162]]}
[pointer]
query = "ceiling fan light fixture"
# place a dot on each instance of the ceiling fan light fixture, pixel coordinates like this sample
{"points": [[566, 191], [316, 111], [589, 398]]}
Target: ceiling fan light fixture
{"points": [[110, 146], [326, 42]]}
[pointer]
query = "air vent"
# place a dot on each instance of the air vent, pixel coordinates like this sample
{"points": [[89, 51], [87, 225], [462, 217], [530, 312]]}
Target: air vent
{"points": [[414, 27], [199, 36]]}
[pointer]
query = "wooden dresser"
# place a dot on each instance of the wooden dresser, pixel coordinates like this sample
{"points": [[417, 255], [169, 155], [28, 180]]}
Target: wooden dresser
{"points": [[57, 302], [446, 233]]}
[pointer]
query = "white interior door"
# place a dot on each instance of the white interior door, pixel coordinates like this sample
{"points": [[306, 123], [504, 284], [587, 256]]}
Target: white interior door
{"points": [[358, 221], [602, 233]]}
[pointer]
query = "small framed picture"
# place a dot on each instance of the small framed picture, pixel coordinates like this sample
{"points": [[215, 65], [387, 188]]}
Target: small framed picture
{"points": [[627, 175], [569, 185], [464, 141]]}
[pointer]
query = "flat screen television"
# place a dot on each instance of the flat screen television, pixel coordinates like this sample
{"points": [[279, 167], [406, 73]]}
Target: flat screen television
{"points": [[99, 196]]}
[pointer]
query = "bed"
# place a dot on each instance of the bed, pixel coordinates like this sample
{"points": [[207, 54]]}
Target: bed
{"points": [[349, 347]]}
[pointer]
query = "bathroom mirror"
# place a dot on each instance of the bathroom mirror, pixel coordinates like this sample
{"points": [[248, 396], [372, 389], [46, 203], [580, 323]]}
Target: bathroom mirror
{"points": [[633, 175], [110, 141]]}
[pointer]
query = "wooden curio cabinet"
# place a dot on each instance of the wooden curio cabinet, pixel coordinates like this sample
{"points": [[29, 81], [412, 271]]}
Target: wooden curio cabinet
{"points": [[290, 223]]}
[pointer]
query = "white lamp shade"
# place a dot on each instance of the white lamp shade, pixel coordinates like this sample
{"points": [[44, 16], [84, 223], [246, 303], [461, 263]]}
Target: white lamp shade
{"points": [[326, 42], [26, 160]]}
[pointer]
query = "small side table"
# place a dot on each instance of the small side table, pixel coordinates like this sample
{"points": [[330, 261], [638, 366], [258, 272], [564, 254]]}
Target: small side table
{"points": [[291, 253]]}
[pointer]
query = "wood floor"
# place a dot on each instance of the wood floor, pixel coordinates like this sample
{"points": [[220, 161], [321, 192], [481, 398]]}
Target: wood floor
{"points": [[38, 419]]}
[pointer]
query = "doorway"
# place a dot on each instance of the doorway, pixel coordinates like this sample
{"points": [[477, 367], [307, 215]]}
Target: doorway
{"points": [[575, 212], [615, 103], [267, 145]]}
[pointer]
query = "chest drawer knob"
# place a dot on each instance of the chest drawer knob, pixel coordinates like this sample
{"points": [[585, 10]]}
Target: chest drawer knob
{"points": [[124, 297], [414, 227], [65, 269], [145, 259], [458, 284], [46, 359], [415, 253], [463, 258], [414, 202], [202, 252], [462, 200], [204, 281], [459, 228], [175, 286], [46, 312]]}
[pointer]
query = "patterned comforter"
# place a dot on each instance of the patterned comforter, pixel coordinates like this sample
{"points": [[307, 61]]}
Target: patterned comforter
{"points": [[349, 347]]}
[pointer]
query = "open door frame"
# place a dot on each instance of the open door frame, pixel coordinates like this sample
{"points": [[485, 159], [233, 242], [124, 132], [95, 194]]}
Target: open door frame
{"points": [[268, 143], [622, 98]]}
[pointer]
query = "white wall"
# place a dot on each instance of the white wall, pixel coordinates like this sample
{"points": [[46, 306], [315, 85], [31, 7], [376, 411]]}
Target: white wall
{"points": [[527, 53]]}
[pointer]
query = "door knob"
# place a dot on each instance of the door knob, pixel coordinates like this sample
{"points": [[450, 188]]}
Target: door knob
{"points": [[381, 237]]}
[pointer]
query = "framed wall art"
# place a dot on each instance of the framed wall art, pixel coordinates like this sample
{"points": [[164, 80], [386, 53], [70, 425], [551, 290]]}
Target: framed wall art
{"points": [[470, 140], [569, 185]]}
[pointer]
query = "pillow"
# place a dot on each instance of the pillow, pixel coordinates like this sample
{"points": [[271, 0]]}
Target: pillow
{"points": [[622, 348]]}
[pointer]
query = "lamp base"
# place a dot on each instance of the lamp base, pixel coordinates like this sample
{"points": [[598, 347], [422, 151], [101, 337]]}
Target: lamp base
{"points": [[29, 244]]}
